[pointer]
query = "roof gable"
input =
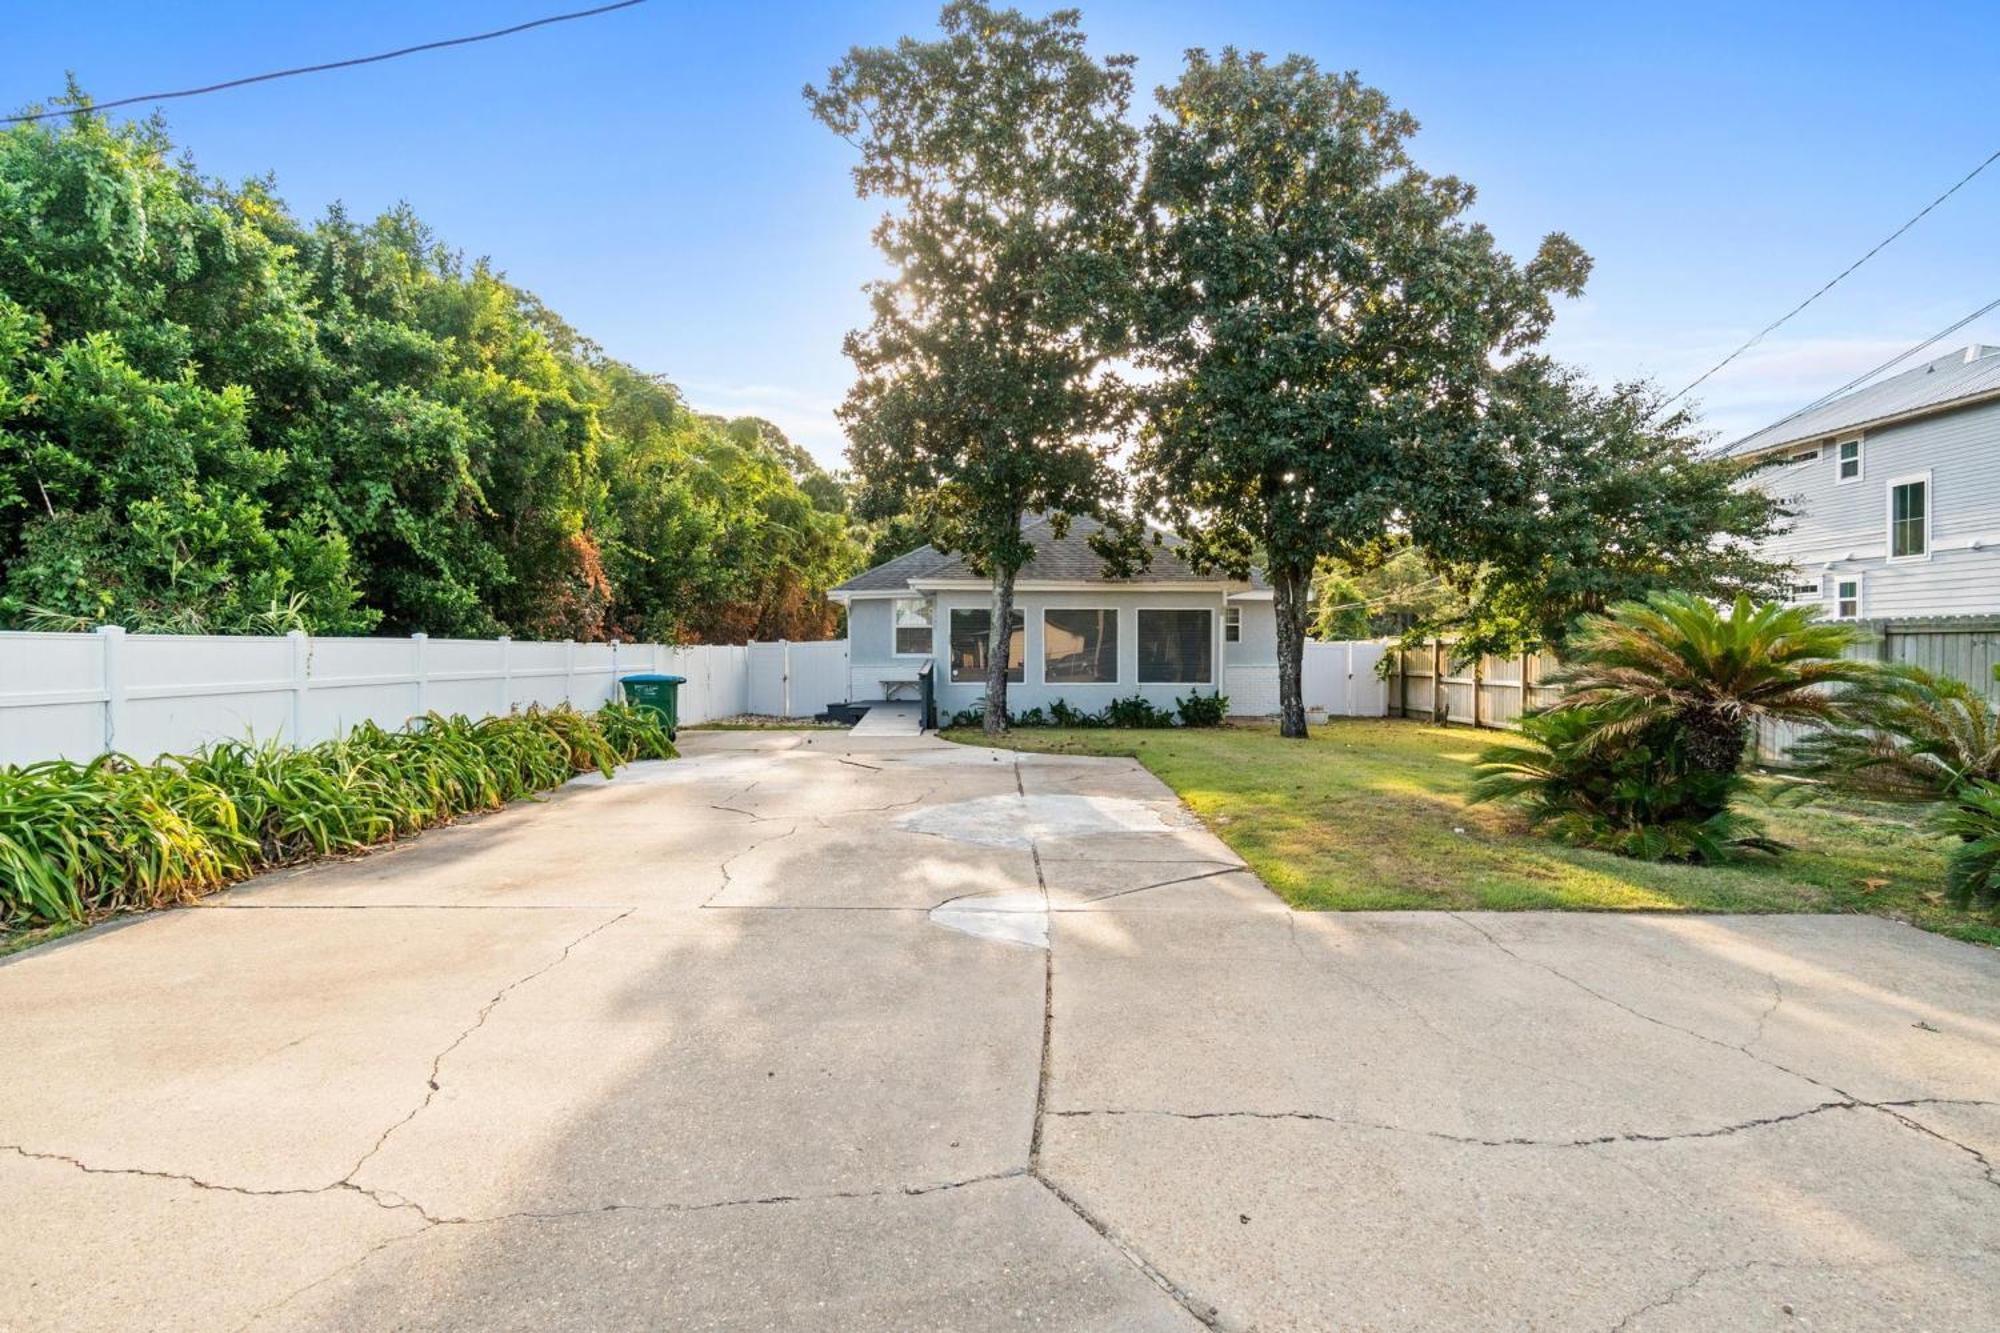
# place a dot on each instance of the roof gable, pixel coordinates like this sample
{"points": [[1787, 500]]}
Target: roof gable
{"points": [[1064, 559]]}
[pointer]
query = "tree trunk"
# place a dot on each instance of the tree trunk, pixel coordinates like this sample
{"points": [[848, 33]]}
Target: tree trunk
{"points": [[999, 635], [1714, 741], [1291, 589]]}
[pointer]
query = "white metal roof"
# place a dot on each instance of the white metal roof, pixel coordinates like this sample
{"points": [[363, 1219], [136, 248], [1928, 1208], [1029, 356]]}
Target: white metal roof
{"points": [[1972, 373]]}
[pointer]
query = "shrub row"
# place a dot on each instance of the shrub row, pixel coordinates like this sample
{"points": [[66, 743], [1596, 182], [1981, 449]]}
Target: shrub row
{"points": [[81, 840], [1195, 710]]}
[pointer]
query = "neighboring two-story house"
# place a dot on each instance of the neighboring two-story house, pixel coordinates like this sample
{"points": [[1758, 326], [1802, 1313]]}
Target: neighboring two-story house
{"points": [[1897, 491]]}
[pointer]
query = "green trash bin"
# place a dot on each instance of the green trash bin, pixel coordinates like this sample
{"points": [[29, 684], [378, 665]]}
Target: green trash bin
{"points": [[660, 693]]}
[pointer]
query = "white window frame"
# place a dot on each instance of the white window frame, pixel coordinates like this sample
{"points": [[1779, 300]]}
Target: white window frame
{"points": [[1117, 658], [1232, 624], [1889, 517], [1214, 645], [896, 627], [1860, 460], [951, 666], [1860, 595]]}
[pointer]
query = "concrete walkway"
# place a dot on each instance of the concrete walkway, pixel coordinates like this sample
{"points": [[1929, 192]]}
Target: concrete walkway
{"points": [[806, 1031]]}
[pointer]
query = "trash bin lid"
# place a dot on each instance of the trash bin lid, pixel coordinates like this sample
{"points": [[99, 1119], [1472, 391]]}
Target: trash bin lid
{"points": [[655, 677]]}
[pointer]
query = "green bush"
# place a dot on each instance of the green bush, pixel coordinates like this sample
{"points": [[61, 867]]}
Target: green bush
{"points": [[1916, 736], [1973, 873], [1136, 712], [81, 840], [1202, 710], [1636, 794]]}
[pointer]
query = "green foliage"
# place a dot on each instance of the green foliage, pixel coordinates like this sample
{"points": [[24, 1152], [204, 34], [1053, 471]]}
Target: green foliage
{"points": [[1134, 713], [1914, 736], [1637, 795], [1323, 317], [1972, 876], [80, 840], [217, 418], [1340, 607], [1202, 710], [1677, 660], [1576, 499], [983, 390]]}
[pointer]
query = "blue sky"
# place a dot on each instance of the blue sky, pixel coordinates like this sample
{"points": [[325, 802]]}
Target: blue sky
{"points": [[654, 176]]}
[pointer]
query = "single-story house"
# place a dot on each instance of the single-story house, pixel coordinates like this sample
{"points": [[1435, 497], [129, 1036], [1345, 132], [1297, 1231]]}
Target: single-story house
{"points": [[1077, 635], [1897, 491]]}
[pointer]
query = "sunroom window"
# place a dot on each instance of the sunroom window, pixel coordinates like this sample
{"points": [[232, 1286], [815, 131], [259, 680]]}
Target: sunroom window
{"points": [[1176, 647], [1079, 647], [969, 646]]}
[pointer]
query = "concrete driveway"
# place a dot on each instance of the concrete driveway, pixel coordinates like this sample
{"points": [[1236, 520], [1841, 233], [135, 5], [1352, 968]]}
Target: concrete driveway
{"points": [[810, 1032]]}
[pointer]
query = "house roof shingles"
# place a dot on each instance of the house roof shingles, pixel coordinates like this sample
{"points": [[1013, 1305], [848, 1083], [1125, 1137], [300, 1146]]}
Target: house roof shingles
{"points": [[1064, 559], [1934, 386]]}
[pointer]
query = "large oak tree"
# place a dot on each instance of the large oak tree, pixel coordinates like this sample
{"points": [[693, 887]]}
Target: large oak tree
{"points": [[1322, 309], [984, 390]]}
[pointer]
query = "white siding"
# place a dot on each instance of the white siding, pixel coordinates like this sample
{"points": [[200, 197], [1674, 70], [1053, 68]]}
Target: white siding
{"points": [[1843, 527]]}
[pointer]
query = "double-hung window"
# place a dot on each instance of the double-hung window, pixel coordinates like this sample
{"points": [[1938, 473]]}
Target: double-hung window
{"points": [[1079, 647], [913, 627], [969, 645], [1176, 647], [1232, 625], [1910, 518], [1847, 466], [1847, 598]]}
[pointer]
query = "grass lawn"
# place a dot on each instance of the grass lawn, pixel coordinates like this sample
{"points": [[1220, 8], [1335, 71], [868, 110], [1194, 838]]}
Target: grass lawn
{"points": [[1372, 815]]}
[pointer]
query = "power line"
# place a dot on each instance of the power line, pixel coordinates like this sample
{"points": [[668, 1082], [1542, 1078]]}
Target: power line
{"points": [[1903, 355], [322, 68], [1878, 247]]}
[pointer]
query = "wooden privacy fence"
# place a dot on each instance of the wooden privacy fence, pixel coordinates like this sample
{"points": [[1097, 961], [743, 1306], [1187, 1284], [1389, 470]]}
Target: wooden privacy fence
{"points": [[1489, 691], [1494, 691]]}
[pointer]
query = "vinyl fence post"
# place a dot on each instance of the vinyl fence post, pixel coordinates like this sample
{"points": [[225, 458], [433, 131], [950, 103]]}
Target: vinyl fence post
{"points": [[301, 664], [506, 673], [112, 637], [569, 672], [420, 669], [612, 695], [785, 677]]}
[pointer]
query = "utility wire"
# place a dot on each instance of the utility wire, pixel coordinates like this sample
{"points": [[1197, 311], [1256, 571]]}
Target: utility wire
{"points": [[1834, 282], [322, 68], [1867, 375]]}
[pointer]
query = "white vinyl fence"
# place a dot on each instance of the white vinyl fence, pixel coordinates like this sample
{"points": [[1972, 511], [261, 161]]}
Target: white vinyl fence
{"points": [[1342, 680], [796, 679], [78, 695]]}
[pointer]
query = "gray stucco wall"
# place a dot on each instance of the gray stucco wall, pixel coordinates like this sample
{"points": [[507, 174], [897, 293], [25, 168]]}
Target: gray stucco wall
{"points": [[1259, 644], [1032, 692]]}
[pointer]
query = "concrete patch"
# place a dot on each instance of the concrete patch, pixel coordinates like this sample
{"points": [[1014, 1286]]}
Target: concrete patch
{"points": [[1010, 918], [1022, 821]]}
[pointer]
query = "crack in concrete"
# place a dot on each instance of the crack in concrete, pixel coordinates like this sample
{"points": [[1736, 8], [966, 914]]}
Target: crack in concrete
{"points": [[727, 861], [1988, 1168], [1592, 1141], [437, 1062], [1679, 1290], [1204, 1314]]}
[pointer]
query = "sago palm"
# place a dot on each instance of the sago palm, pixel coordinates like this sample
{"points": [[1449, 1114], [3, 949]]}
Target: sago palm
{"points": [[1916, 737], [1710, 673]]}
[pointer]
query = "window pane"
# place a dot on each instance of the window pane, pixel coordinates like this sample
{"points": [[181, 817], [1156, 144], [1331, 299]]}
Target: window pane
{"points": [[1847, 605], [1176, 647], [1079, 647], [1850, 459], [1232, 625], [968, 646], [1906, 519], [913, 626]]}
